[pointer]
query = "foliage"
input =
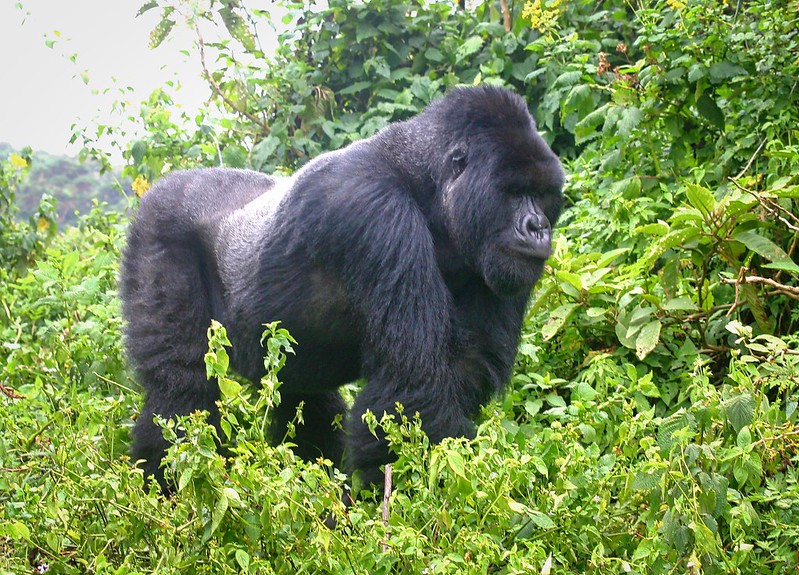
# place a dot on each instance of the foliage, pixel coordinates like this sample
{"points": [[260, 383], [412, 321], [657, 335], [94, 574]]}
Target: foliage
{"points": [[20, 242], [651, 421]]}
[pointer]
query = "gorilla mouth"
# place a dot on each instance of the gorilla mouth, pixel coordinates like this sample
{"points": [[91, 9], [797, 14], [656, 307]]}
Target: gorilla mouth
{"points": [[534, 253]]}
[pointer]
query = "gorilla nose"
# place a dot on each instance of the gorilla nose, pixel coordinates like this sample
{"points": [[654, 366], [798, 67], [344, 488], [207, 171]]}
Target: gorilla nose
{"points": [[534, 224]]}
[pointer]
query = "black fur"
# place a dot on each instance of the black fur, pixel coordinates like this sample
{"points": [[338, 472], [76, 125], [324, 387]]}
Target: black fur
{"points": [[405, 259]]}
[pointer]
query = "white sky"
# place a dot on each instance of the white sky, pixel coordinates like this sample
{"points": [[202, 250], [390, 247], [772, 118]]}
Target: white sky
{"points": [[41, 91]]}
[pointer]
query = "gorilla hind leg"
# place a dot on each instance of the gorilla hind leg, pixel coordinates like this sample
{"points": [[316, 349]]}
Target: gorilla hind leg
{"points": [[320, 433], [149, 444], [170, 295]]}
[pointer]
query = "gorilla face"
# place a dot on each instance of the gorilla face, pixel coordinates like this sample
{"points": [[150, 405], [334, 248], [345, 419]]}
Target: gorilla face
{"points": [[501, 203]]}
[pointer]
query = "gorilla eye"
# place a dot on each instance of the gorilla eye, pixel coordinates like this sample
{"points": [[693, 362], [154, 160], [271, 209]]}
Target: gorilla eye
{"points": [[458, 163]]}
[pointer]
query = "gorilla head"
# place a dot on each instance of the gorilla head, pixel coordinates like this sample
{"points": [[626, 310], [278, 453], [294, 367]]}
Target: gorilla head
{"points": [[498, 185], [405, 259]]}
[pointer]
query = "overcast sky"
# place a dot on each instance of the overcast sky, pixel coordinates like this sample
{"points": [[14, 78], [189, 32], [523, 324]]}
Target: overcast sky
{"points": [[41, 91]]}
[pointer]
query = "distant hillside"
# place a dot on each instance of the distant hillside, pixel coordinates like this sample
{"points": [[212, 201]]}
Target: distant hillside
{"points": [[72, 183]]}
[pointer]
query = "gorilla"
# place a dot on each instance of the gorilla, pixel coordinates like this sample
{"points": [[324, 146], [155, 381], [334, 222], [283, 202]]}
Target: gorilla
{"points": [[405, 259]]}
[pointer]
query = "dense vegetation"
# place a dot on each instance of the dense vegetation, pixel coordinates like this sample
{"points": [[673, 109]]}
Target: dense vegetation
{"points": [[651, 422]]}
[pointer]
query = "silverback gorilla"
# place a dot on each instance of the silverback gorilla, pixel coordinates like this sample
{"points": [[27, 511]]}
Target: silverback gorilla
{"points": [[405, 259]]}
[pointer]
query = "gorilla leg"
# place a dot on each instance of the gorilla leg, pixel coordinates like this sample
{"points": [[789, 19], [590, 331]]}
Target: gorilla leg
{"points": [[442, 414], [168, 315], [316, 436], [148, 440]]}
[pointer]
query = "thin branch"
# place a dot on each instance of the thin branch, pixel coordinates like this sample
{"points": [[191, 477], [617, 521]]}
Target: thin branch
{"points": [[506, 15], [387, 484], [10, 392], [752, 159], [790, 291], [218, 89]]}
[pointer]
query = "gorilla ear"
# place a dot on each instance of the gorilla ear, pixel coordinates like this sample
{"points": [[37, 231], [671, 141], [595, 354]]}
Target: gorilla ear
{"points": [[458, 162]]}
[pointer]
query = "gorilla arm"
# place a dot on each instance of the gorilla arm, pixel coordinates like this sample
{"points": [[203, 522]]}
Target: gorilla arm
{"points": [[407, 312]]}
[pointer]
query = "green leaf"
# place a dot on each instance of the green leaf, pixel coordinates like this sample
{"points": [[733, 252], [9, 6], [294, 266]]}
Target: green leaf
{"points": [[646, 480], [434, 55], [354, 88], [647, 339], [147, 6], [238, 28], [469, 47], [710, 111], [243, 559], [701, 198], [656, 229], [557, 319], [740, 410], [764, 247], [744, 437], [724, 70], [631, 117], [456, 463], [752, 297], [608, 257], [160, 32], [586, 128], [673, 239], [234, 156], [541, 520], [137, 151], [229, 387], [680, 304]]}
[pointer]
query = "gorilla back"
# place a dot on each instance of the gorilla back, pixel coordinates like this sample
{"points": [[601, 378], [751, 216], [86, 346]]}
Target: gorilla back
{"points": [[405, 259]]}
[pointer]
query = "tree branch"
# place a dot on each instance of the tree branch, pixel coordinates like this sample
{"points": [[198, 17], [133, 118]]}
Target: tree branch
{"points": [[218, 89]]}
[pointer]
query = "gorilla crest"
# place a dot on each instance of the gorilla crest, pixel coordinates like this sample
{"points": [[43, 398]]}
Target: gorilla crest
{"points": [[405, 259]]}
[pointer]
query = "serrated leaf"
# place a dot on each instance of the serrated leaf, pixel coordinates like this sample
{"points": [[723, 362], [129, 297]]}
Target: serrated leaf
{"points": [[740, 410], [160, 32], [723, 70], [631, 117], [238, 28], [586, 128], [646, 480], [234, 156], [145, 7], [670, 425], [628, 187]]}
